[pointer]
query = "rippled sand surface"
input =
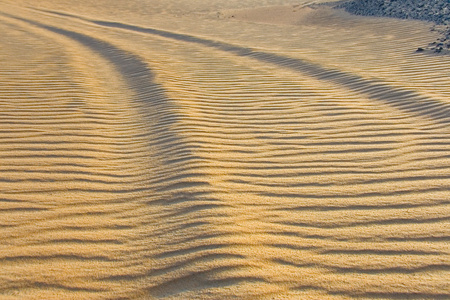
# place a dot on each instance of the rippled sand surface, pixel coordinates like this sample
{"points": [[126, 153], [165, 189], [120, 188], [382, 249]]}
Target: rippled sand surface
{"points": [[185, 149]]}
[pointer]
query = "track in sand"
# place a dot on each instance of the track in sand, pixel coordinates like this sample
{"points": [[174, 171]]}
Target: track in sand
{"points": [[223, 160]]}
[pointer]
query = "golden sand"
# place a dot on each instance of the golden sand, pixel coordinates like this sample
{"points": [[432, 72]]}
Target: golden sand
{"points": [[220, 150]]}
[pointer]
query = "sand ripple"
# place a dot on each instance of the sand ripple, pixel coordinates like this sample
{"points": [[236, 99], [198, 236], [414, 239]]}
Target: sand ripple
{"points": [[139, 162]]}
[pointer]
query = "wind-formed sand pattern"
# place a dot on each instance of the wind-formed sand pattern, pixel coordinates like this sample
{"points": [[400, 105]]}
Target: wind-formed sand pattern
{"points": [[185, 149]]}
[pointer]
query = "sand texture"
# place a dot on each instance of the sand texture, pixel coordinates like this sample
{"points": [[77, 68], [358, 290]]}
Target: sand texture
{"points": [[182, 149]]}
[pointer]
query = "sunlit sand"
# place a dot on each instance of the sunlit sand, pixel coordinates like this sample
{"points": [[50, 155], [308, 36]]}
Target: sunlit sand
{"points": [[220, 150]]}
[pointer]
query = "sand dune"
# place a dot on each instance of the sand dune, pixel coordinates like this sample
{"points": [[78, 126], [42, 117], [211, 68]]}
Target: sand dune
{"points": [[170, 150]]}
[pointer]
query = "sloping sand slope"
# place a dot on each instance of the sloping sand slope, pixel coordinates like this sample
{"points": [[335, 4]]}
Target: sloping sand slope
{"points": [[177, 150]]}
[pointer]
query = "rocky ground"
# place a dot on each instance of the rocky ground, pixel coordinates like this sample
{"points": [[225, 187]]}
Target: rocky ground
{"points": [[437, 11]]}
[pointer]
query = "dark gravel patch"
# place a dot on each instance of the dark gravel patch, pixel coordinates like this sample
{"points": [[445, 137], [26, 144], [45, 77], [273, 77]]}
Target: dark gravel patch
{"points": [[437, 11]]}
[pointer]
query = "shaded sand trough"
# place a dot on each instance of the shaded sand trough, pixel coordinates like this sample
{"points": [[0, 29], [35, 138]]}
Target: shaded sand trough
{"points": [[200, 151]]}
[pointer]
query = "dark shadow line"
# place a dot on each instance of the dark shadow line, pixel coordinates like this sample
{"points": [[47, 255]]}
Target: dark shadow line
{"points": [[402, 99], [395, 221]]}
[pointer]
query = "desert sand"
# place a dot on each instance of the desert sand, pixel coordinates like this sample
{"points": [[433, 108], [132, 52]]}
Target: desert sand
{"points": [[182, 149]]}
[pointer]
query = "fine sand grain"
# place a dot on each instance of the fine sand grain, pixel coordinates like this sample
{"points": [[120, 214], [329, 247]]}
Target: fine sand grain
{"points": [[181, 149]]}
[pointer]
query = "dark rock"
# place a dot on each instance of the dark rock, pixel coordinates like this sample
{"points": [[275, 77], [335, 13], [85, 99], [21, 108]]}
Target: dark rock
{"points": [[437, 11]]}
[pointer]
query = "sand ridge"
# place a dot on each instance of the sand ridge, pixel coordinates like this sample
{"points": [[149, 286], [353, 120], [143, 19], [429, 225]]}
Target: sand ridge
{"points": [[144, 162]]}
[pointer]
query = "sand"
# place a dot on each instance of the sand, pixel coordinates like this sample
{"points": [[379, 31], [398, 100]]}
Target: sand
{"points": [[185, 149]]}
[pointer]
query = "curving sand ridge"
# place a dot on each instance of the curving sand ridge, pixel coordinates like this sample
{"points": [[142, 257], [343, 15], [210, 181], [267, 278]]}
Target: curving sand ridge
{"points": [[206, 157]]}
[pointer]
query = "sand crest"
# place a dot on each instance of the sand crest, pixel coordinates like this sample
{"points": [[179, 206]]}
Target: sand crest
{"points": [[186, 150]]}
